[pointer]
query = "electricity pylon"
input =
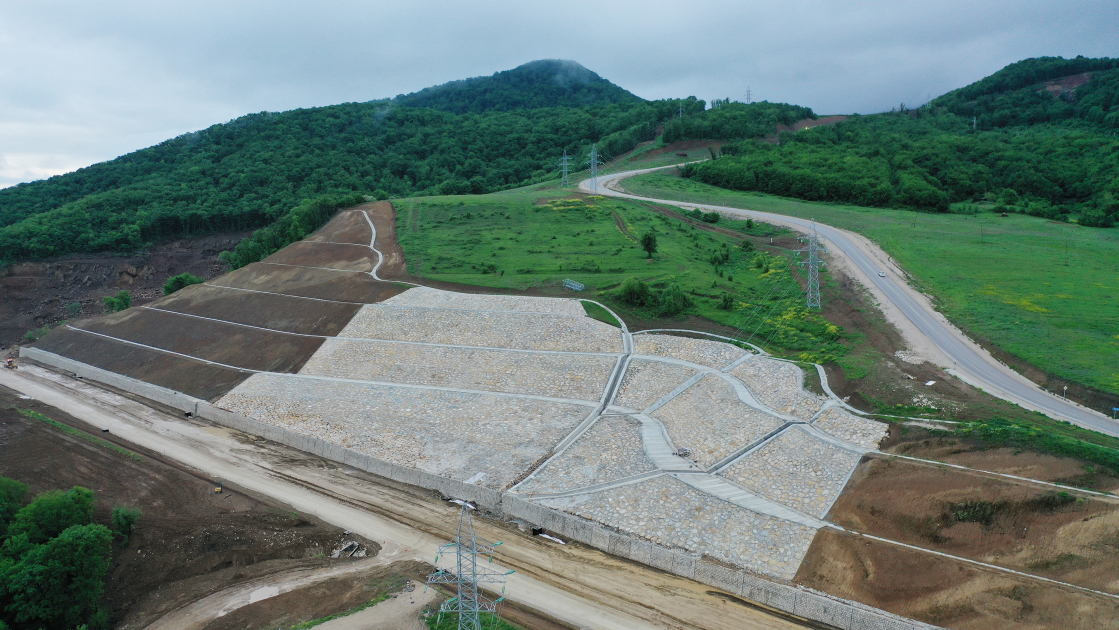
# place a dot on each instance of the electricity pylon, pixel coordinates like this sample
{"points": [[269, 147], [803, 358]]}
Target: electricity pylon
{"points": [[468, 604], [594, 159], [812, 266], [564, 163]]}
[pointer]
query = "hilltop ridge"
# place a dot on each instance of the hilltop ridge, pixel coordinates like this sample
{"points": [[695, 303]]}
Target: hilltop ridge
{"points": [[534, 85]]}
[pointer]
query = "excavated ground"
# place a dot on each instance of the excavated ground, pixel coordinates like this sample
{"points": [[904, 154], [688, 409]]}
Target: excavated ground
{"points": [[917, 504], [190, 541]]}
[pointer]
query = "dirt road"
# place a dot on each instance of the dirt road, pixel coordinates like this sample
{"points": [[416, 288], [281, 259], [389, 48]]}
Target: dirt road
{"points": [[574, 584], [926, 330], [199, 614]]}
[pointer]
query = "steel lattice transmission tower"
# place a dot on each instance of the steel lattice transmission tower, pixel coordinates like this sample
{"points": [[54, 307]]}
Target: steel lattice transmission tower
{"points": [[812, 266], [564, 163], [594, 159], [466, 574]]}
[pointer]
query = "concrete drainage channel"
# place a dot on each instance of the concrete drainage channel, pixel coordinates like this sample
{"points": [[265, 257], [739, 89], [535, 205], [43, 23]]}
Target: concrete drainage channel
{"points": [[801, 602]]}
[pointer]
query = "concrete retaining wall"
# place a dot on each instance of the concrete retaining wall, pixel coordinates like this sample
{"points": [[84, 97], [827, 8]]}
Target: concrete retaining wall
{"points": [[798, 601], [484, 497]]}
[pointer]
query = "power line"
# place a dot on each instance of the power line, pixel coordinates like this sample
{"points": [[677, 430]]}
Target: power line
{"points": [[466, 547], [595, 161], [812, 266], [564, 162]]}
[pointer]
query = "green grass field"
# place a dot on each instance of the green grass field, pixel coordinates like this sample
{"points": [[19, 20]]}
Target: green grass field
{"points": [[538, 237], [1042, 290]]}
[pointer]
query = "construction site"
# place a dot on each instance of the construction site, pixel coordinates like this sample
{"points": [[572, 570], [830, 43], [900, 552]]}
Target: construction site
{"points": [[680, 480]]}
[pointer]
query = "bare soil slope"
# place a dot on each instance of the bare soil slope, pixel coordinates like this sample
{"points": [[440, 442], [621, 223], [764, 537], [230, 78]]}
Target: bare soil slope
{"points": [[189, 541]]}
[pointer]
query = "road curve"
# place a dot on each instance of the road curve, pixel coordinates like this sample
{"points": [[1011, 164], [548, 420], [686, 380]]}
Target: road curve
{"points": [[961, 357]]}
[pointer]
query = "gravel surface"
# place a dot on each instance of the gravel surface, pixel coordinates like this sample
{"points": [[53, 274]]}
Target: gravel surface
{"points": [[646, 382], [609, 450], [708, 419], [528, 331], [435, 298], [797, 470], [446, 433], [847, 426], [668, 512], [778, 385], [577, 376], [713, 354]]}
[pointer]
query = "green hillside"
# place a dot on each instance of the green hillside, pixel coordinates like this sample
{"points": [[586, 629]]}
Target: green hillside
{"points": [[537, 84], [1030, 151], [249, 172]]}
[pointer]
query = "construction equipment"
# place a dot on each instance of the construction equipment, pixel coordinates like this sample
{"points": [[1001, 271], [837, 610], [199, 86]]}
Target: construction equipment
{"points": [[10, 363], [219, 488]]}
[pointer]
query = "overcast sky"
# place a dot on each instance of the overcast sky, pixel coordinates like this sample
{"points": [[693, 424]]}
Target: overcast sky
{"points": [[84, 82]]}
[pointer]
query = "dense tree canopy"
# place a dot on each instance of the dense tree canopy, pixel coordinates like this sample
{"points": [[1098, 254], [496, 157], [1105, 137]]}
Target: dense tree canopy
{"points": [[53, 561], [253, 170], [544, 83], [1017, 94], [931, 157], [732, 121]]}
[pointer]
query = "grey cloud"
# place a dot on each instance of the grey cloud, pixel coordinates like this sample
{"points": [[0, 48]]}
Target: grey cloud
{"points": [[85, 82]]}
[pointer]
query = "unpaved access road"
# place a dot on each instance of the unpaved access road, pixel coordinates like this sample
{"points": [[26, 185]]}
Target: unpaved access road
{"points": [[574, 584], [927, 331]]}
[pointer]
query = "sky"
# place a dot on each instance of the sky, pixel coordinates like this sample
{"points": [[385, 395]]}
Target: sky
{"points": [[85, 82]]}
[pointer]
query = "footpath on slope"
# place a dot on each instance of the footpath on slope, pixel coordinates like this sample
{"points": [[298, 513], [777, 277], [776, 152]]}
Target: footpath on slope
{"points": [[924, 329]]}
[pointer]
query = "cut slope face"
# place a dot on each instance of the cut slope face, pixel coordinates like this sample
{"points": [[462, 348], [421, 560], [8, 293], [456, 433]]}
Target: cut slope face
{"points": [[513, 394]]}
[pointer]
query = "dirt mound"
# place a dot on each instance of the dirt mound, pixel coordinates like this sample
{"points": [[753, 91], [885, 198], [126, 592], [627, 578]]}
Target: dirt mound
{"points": [[194, 378], [348, 226], [341, 256], [316, 284], [37, 294], [266, 310], [189, 540], [944, 591], [228, 344], [1046, 532]]}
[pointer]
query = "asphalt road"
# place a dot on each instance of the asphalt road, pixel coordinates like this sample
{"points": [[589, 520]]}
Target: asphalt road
{"points": [[969, 361]]}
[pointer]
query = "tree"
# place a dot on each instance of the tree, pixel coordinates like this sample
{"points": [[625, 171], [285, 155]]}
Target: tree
{"points": [[52, 512], [649, 243], [174, 283], [727, 302], [56, 585], [11, 500], [118, 302], [673, 300], [124, 519]]}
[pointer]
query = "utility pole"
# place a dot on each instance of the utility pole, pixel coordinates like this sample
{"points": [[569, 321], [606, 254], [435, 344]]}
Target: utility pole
{"points": [[466, 547], [812, 266], [595, 161], [564, 162]]}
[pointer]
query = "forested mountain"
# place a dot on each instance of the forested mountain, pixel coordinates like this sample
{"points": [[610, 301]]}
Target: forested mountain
{"points": [[1045, 89], [543, 83], [1039, 149]]}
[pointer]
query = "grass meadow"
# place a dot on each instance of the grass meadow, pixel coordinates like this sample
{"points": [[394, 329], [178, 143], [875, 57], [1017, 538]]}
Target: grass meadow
{"points": [[538, 237], [1045, 291]]}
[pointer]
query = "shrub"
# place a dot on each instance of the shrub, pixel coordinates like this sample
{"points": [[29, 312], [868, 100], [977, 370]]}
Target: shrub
{"points": [[633, 292], [174, 283], [118, 302], [727, 302], [124, 520], [74, 308]]}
